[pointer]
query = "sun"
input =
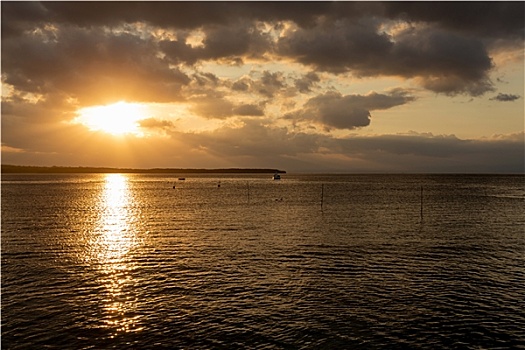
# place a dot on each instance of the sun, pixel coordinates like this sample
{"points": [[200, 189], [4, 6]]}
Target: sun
{"points": [[117, 119]]}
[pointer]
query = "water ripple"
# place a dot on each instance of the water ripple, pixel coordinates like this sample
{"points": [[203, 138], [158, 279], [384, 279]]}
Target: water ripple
{"points": [[130, 262]]}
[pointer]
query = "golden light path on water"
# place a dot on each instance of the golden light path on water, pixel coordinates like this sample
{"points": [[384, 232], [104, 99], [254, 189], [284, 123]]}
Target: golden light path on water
{"points": [[115, 238]]}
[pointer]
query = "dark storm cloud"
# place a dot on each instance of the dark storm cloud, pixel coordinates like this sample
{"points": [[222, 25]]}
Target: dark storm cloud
{"points": [[334, 110], [178, 51], [446, 62], [336, 46], [502, 19], [238, 39], [233, 41], [165, 14], [505, 97], [497, 19], [473, 17], [445, 54], [20, 16], [89, 65], [186, 14]]}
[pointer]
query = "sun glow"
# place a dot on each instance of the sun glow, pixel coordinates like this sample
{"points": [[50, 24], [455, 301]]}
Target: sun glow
{"points": [[116, 119]]}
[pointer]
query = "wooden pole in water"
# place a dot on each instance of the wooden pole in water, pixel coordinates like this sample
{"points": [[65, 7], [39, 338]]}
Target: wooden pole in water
{"points": [[421, 204], [322, 195], [248, 184]]}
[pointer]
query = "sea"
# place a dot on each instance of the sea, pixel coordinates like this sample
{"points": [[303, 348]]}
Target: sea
{"points": [[242, 261]]}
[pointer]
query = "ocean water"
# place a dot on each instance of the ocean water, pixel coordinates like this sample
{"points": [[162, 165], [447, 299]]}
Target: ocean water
{"points": [[124, 261]]}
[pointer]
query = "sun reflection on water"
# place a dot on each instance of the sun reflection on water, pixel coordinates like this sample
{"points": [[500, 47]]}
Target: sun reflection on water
{"points": [[116, 237]]}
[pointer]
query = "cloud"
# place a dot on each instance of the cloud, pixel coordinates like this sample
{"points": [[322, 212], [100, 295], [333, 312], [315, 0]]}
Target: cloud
{"points": [[515, 137], [256, 143], [18, 17], [443, 62], [306, 82], [254, 139], [178, 51], [265, 84], [242, 84], [334, 110], [479, 19], [185, 15], [248, 110], [135, 50], [216, 106], [90, 65], [415, 152], [270, 83], [7, 149], [235, 40], [505, 97], [260, 69], [154, 123], [212, 107], [336, 46]]}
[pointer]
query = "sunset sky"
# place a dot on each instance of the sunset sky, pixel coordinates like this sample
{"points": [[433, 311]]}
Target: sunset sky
{"points": [[299, 86]]}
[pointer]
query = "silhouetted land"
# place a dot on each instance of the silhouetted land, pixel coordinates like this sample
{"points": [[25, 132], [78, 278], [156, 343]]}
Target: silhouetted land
{"points": [[59, 169]]}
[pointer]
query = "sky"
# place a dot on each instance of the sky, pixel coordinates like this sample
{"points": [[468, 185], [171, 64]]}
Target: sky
{"points": [[344, 87]]}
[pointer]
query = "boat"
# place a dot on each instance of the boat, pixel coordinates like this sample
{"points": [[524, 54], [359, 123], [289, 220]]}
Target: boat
{"points": [[182, 178], [276, 176]]}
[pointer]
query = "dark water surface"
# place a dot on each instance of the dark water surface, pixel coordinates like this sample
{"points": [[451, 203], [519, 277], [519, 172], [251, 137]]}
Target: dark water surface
{"points": [[128, 261]]}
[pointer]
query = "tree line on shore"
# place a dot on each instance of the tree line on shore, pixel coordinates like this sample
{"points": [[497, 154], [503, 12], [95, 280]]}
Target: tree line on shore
{"points": [[7, 168]]}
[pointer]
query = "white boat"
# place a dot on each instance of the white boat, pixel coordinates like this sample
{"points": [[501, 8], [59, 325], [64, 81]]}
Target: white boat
{"points": [[276, 176]]}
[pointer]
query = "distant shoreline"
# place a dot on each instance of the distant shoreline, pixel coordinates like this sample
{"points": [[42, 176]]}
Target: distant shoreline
{"points": [[10, 169]]}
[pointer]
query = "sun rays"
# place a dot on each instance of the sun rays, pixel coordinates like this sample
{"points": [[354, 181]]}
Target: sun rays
{"points": [[121, 118]]}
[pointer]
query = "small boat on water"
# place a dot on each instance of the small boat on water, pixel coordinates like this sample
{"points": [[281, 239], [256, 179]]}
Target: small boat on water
{"points": [[276, 176], [182, 178]]}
